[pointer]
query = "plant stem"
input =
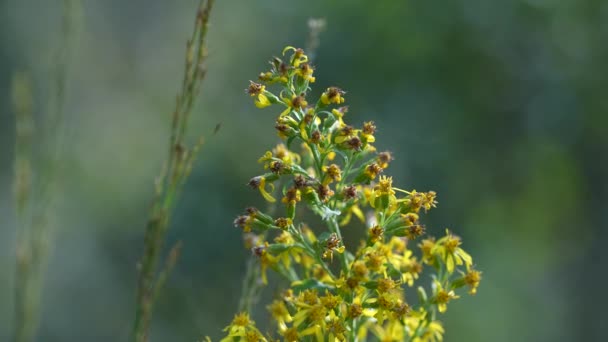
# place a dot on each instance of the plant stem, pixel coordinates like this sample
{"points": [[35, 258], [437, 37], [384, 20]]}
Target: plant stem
{"points": [[334, 228], [170, 181]]}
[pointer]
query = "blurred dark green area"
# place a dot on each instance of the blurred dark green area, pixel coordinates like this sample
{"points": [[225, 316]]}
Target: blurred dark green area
{"points": [[499, 106]]}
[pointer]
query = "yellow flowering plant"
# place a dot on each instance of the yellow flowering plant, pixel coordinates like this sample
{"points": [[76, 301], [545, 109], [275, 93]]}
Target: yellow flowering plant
{"points": [[370, 291]]}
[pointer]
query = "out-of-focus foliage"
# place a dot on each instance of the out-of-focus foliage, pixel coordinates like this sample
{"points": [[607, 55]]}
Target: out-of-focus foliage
{"points": [[499, 106]]}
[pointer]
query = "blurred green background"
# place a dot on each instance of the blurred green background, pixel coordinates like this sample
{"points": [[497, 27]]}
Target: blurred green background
{"points": [[499, 106]]}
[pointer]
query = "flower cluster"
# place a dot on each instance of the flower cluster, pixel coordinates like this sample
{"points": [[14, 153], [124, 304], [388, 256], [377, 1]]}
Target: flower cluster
{"points": [[338, 293]]}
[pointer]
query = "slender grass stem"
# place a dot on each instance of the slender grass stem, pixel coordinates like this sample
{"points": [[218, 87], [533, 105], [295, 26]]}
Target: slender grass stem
{"points": [[171, 179]]}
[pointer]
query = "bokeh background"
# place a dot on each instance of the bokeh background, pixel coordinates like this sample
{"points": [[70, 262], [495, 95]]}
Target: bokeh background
{"points": [[499, 106]]}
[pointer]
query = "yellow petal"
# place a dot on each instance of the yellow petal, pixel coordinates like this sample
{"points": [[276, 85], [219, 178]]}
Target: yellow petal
{"points": [[303, 130], [267, 196], [357, 211], [449, 263], [465, 256], [267, 156], [262, 101], [324, 99], [287, 48], [285, 112]]}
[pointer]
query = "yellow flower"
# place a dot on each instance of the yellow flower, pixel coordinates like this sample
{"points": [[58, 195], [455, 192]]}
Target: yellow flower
{"points": [[315, 313], [305, 71], [332, 244], [288, 157], [333, 95], [372, 170], [432, 332], [266, 260], [330, 301], [292, 196], [333, 172], [429, 201], [375, 233], [298, 56], [427, 246], [244, 328], [262, 101], [383, 195], [393, 331], [472, 279], [291, 334], [384, 158], [367, 133], [285, 126], [279, 312], [266, 159], [297, 102], [245, 222], [411, 270], [417, 200], [256, 89], [259, 183], [284, 238], [283, 223], [375, 261], [339, 114], [336, 329], [442, 297], [449, 251]]}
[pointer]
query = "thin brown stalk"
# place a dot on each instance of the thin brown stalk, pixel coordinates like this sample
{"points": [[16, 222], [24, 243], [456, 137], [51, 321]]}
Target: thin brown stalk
{"points": [[169, 183]]}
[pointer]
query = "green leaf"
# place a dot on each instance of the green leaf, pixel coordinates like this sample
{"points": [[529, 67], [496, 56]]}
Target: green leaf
{"points": [[290, 140], [278, 248], [393, 272], [422, 295]]}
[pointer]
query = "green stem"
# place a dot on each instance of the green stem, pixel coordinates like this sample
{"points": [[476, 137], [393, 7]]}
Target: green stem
{"points": [[334, 228], [311, 251]]}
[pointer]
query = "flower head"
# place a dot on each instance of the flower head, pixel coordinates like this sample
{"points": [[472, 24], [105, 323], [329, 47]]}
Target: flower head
{"points": [[338, 174], [333, 95]]}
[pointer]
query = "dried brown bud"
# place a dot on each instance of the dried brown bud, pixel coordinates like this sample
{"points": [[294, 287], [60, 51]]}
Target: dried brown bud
{"points": [[255, 182], [355, 310], [347, 130], [369, 128], [315, 137], [415, 231], [354, 143], [385, 157], [333, 241], [277, 166], [258, 250], [299, 182], [298, 102], [333, 92], [324, 192], [251, 211], [350, 192], [240, 221], [254, 88]]}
